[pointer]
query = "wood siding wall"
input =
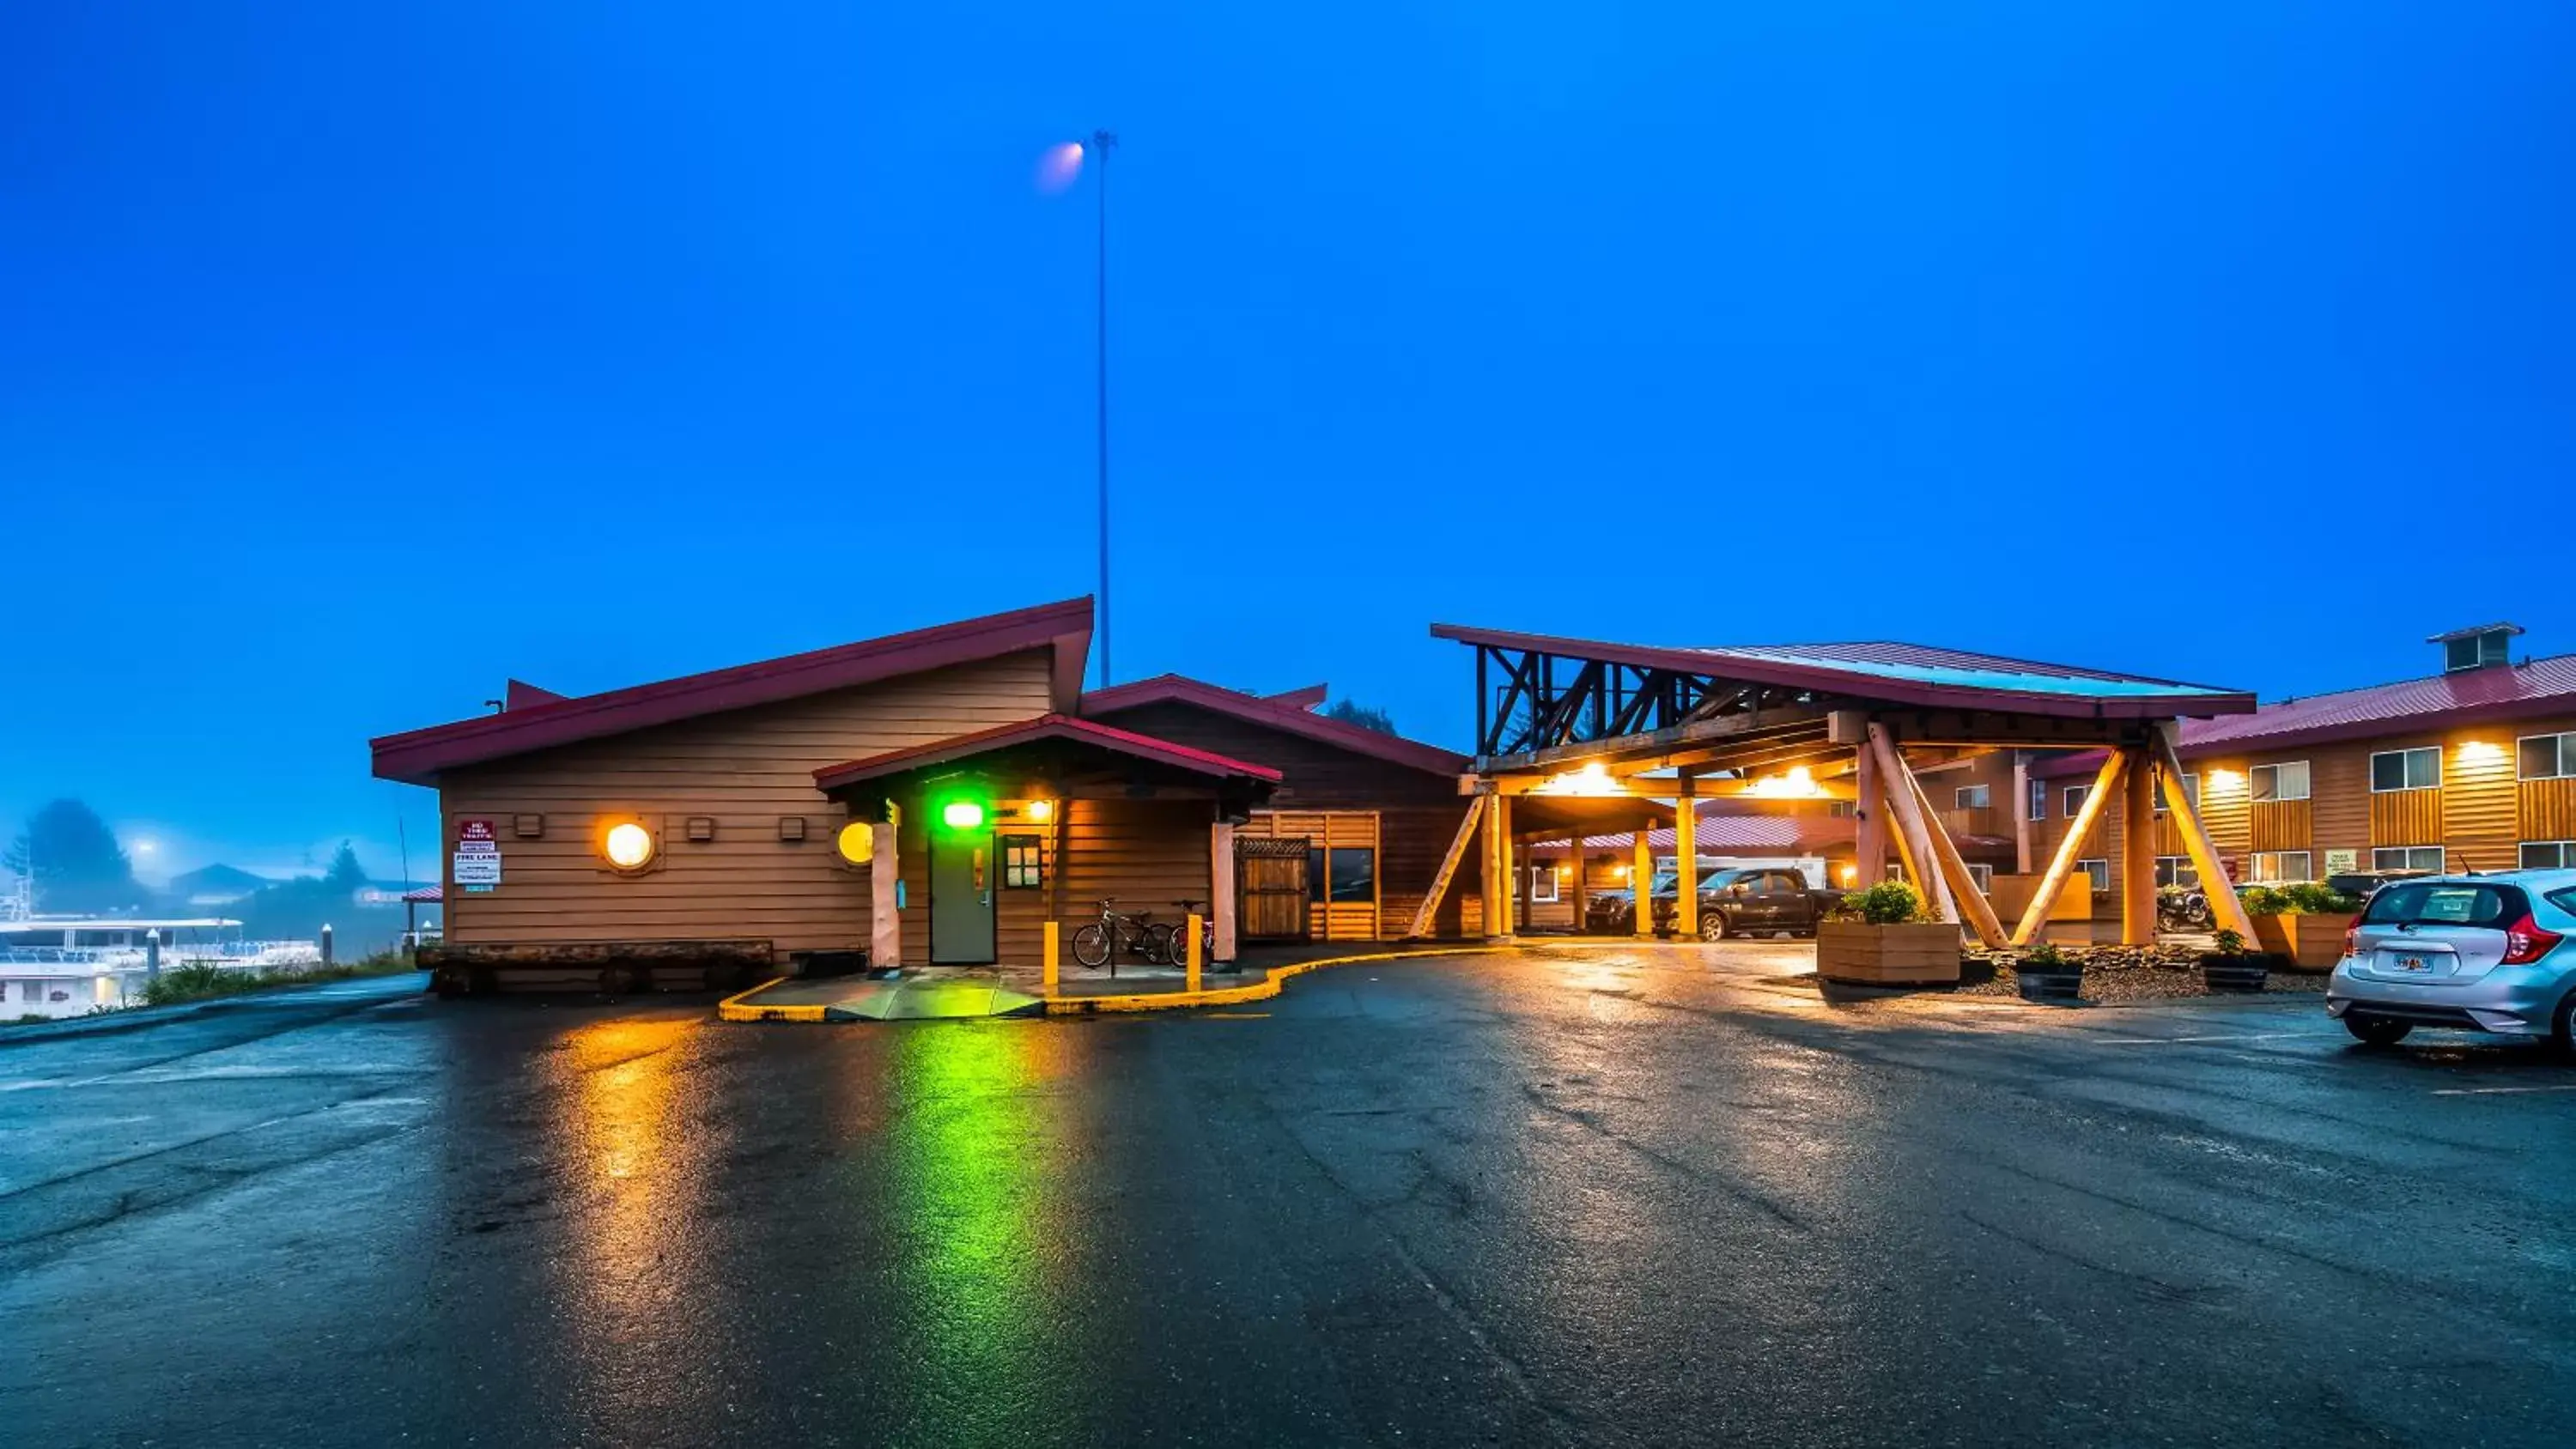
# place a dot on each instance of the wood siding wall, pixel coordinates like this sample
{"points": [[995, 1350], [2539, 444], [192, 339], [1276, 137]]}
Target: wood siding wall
{"points": [[2547, 809], [2406, 817], [1417, 810], [1336, 829], [745, 769], [2281, 824]]}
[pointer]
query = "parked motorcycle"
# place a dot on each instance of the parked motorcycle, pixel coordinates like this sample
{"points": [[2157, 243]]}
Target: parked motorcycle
{"points": [[2182, 908]]}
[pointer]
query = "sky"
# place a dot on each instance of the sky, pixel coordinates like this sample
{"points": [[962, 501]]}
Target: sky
{"points": [[354, 358]]}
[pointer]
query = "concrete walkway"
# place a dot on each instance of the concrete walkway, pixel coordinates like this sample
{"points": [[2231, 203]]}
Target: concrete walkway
{"points": [[861, 998]]}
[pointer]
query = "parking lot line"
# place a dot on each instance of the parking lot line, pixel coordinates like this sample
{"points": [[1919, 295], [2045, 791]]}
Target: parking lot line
{"points": [[2182, 1040], [2499, 1091]]}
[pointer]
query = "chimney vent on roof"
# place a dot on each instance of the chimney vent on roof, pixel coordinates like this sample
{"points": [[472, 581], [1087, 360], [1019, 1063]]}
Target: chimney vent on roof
{"points": [[2476, 648]]}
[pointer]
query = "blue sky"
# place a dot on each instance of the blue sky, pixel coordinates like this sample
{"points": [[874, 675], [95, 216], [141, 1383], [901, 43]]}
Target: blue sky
{"points": [[355, 357]]}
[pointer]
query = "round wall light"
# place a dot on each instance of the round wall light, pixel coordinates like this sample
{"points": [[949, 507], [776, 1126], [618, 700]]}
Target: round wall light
{"points": [[857, 842], [628, 846], [961, 814], [1041, 811]]}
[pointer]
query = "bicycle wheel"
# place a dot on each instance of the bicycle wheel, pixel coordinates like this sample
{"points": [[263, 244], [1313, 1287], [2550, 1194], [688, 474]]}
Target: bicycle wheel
{"points": [[1160, 946], [1091, 945]]}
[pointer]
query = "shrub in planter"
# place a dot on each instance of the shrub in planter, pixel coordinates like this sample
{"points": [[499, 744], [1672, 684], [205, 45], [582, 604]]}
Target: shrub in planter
{"points": [[2233, 968], [1882, 936], [2045, 973], [2302, 924]]}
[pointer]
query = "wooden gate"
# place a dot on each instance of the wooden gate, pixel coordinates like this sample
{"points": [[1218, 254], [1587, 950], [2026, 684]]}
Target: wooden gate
{"points": [[1270, 887]]}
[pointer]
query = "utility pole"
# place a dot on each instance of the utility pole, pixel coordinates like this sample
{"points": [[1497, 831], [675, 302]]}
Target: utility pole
{"points": [[1101, 142]]}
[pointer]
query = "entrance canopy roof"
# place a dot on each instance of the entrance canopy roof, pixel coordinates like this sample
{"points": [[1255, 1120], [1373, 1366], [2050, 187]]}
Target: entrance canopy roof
{"points": [[1545, 701], [1061, 756]]}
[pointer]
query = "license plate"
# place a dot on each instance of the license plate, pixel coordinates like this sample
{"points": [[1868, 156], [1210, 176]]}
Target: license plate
{"points": [[2412, 963]]}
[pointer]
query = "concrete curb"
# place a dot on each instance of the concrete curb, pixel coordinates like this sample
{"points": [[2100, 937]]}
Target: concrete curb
{"points": [[733, 1009], [140, 1018]]}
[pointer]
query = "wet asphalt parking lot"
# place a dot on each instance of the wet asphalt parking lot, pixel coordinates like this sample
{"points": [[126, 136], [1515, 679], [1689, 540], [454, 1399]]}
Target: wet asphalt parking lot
{"points": [[1600, 1196]]}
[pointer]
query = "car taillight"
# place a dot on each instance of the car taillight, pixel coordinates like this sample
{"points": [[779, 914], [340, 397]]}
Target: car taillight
{"points": [[2525, 942], [2352, 938]]}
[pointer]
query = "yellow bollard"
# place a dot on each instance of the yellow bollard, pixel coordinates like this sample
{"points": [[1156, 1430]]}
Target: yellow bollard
{"points": [[1194, 949], [1053, 935]]}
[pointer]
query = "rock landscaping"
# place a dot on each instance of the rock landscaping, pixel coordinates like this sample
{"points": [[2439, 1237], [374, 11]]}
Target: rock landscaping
{"points": [[2123, 973]]}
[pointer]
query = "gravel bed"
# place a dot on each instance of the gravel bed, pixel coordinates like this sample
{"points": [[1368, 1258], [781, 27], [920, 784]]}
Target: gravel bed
{"points": [[2126, 973]]}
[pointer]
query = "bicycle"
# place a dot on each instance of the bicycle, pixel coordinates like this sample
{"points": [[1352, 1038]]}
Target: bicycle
{"points": [[1100, 943]]}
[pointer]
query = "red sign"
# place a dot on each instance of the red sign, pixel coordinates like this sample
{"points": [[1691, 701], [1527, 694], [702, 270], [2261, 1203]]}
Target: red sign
{"points": [[474, 830]]}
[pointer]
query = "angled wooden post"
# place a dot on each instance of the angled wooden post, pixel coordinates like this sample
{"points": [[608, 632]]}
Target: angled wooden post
{"points": [[1897, 785], [2226, 911], [1466, 836], [1973, 905], [2069, 850], [2138, 850]]}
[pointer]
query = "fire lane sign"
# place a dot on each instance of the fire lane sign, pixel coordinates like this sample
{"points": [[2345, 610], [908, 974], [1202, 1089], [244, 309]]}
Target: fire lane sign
{"points": [[477, 863]]}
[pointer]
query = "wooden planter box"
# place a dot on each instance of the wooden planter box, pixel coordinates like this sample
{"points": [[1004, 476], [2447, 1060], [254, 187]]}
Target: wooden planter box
{"points": [[1914, 954], [2312, 943]]}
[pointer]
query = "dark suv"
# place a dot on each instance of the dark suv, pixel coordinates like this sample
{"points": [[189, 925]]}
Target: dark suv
{"points": [[1746, 901]]}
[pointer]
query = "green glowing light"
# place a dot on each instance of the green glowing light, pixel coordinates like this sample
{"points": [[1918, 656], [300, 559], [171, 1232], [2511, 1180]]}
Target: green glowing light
{"points": [[962, 814]]}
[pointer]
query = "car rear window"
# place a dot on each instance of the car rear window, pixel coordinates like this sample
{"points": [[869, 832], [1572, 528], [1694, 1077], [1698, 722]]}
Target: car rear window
{"points": [[2444, 903], [2564, 900]]}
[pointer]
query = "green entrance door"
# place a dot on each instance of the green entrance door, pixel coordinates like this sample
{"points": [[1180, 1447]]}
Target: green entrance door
{"points": [[961, 897]]}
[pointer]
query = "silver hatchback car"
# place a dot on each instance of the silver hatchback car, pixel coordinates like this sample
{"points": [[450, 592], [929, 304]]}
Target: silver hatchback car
{"points": [[2477, 952]]}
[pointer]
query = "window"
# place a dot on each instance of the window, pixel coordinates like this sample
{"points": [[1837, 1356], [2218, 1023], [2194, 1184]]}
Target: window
{"points": [[1021, 863], [2190, 792], [32, 991], [2548, 757], [2490, 646], [1542, 883], [2098, 871], [2549, 855], [2424, 903], [2408, 857], [2075, 798], [1983, 874], [1353, 871], [2405, 770], [2176, 870], [1972, 797], [2039, 799], [2285, 781], [2273, 867]]}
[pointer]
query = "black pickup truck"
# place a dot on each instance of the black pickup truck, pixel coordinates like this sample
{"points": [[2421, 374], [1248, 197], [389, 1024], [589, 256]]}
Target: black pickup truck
{"points": [[1751, 901]]}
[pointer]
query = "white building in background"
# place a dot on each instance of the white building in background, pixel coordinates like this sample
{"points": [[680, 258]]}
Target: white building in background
{"points": [[72, 965]]}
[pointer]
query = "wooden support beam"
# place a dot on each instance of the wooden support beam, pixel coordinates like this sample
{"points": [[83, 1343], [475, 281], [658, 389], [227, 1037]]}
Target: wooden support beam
{"points": [[1424, 914], [1912, 830], [2138, 850], [1221, 890], [1973, 905], [885, 924], [1498, 903], [1509, 863], [2226, 911], [1641, 880], [1686, 862], [2021, 812], [1869, 795], [2069, 850]]}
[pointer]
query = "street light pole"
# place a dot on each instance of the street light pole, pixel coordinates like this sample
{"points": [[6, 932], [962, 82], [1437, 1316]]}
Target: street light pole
{"points": [[1101, 142]]}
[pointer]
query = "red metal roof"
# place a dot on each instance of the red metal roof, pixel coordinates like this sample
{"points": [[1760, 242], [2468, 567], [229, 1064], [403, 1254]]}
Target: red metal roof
{"points": [[2498, 692], [520, 694], [417, 756], [1045, 727], [1899, 673], [424, 895], [1287, 718], [1310, 697]]}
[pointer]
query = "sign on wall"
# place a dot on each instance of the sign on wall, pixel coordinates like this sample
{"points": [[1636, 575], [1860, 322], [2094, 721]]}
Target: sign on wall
{"points": [[2342, 862], [477, 864]]}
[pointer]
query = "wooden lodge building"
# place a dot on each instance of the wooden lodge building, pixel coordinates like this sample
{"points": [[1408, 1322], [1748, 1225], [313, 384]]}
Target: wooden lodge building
{"points": [[2473, 768], [932, 798]]}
